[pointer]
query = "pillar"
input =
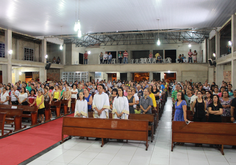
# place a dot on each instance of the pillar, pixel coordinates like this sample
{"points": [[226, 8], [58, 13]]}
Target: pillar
{"points": [[211, 72], [179, 76], [219, 74], [217, 45], [7, 68], [208, 50], [150, 76], [129, 78], [233, 33], [42, 75], [64, 55], [233, 73], [162, 76], [164, 54], [44, 50], [118, 76]]}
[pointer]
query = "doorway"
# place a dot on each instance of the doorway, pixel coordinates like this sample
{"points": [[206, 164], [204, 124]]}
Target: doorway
{"points": [[0, 76], [170, 76], [81, 58], [112, 76], [171, 54], [141, 77]]}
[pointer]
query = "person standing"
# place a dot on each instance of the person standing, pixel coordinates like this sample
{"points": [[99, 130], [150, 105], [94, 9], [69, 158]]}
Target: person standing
{"points": [[125, 55], [131, 101], [233, 106], [74, 92], [81, 108], [120, 57], [190, 54], [109, 58], [200, 107], [22, 99], [40, 105], [195, 56], [225, 101], [215, 110], [88, 97], [180, 108], [101, 58], [150, 57], [101, 103], [146, 103], [85, 57], [120, 106], [4, 97], [105, 57], [14, 96]]}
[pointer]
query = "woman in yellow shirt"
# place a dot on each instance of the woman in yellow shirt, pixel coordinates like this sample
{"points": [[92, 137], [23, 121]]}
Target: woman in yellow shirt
{"points": [[40, 105], [152, 97], [56, 94]]}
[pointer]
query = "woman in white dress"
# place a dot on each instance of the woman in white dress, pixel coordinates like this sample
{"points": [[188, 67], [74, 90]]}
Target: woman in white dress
{"points": [[81, 107], [120, 106], [4, 96]]}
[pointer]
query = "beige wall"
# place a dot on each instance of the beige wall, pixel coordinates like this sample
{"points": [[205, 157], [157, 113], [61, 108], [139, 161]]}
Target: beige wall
{"points": [[94, 56]]}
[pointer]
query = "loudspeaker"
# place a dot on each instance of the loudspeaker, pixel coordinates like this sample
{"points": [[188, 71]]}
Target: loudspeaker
{"points": [[48, 66]]}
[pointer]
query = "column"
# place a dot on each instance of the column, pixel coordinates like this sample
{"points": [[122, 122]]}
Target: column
{"points": [[17, 50], [162, 76], [42, 75], [219, 74], [150, 76], [17, 74], [64, 55], [217, 45], [129, 78], [44, 50], [7, 68], [211, 72], [233, 73], [179, 76], [164, 54], [204, 53], [118, 76], [208, 50], [129, 57], [233, 33]]}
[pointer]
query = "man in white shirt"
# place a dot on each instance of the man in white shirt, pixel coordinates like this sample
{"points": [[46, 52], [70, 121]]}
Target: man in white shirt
{"points": [[14, 96], [105, 57], [101, 103]]}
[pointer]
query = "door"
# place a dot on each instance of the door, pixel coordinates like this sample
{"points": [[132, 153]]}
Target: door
{"points": [[171, 54], [81, 58]]}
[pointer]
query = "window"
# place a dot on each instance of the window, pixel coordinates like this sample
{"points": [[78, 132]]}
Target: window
{"points": [[2, 50], [28, 54]]}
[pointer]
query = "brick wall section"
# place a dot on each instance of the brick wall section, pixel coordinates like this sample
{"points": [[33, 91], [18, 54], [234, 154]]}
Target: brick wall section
{"points": [[53, 75]]}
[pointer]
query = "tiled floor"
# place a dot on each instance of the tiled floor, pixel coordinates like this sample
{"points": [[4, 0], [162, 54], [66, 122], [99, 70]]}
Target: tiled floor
{"points": [[77, 151]]}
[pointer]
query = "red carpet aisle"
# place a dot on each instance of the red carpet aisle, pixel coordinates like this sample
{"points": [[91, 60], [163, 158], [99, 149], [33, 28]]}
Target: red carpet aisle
{"points": [[21, 146]]}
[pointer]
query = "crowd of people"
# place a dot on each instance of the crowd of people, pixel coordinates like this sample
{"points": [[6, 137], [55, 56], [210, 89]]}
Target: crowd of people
{"points": [[204, 100], [122, 98]]}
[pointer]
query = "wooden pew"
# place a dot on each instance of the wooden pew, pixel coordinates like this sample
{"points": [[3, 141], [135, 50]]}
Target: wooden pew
{"points": [[65, 106], [204, 133], [2, 123], [106, 128], [57, 107], [14, 113], [33, 112], [224, 119], [146, 117], [73, 100]]}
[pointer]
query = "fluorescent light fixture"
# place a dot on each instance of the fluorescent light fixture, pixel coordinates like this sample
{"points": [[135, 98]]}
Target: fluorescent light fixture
{"points": [[61, 47], [189, 45], [20, 73], [46, 56], [168, 71], [89, 52], [158, 42], [230, 43], [10, 52], [214, 55]]}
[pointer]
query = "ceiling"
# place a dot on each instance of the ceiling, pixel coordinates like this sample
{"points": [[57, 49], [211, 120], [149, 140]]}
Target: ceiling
{"points": [[57, 17]]}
